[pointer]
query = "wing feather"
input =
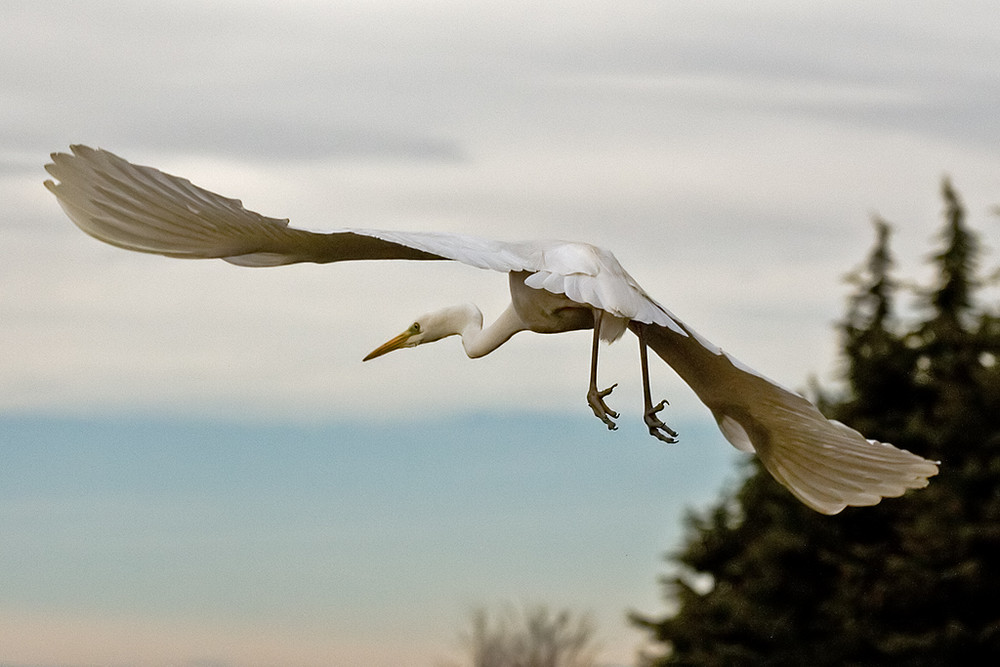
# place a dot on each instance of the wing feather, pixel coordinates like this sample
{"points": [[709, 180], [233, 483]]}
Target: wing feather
{"points": [[144, 209], [824, 463]]}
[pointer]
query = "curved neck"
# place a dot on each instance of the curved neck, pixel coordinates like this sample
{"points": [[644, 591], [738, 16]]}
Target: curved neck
{"points": [[479, 341]]}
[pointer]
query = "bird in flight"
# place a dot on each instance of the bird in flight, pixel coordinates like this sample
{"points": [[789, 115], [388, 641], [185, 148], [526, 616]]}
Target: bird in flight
{"points": [[555, 286]]}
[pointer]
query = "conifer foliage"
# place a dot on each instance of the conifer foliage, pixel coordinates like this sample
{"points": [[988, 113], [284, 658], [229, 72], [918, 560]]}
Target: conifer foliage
{"points": [[762, 580]]}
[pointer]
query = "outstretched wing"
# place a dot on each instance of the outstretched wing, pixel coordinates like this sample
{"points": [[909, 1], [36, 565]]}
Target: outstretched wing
{"points": [[143, 209], [824, 463]]}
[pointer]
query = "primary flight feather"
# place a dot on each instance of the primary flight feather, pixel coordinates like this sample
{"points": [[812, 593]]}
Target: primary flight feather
{"points": [[555, 286]]}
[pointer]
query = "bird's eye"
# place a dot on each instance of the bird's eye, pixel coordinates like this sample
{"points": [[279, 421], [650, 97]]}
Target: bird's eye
{"points": [[415, 327]]}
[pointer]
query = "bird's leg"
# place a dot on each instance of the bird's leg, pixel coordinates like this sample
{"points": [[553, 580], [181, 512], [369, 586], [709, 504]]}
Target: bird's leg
{"points": [[595, 396], [657, 428]]}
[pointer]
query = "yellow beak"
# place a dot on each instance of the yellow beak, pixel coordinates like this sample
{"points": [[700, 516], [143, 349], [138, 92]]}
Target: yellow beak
{"points": [[394, 344]]}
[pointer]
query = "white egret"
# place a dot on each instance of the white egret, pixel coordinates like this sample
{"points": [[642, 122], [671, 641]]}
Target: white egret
{"points": [[555, 286]]}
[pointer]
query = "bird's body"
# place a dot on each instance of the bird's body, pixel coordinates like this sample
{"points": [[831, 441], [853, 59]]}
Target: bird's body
{"points": [[555, 286]]}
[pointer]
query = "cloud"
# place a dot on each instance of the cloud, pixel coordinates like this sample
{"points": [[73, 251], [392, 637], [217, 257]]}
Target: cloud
{"points": [[307, 80], [730, 157]]}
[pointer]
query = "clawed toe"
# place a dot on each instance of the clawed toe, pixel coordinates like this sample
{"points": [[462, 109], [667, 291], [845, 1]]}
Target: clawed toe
{"points": [[595, 399], [657, 428]]}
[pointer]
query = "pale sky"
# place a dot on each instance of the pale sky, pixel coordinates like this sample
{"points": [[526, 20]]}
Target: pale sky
{"points": [[731, 155]]}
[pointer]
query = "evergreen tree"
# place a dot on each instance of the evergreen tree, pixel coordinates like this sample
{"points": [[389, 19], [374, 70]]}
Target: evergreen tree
{"points": [[952, 298], [879, 362], [762, 580]]}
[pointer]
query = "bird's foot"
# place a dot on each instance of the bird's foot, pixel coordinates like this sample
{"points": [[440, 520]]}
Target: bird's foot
{"points": [[595, 398], [657, 428]]}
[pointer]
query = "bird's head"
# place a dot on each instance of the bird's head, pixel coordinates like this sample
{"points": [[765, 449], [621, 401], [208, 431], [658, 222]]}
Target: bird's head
{"points": [[431, 327]]}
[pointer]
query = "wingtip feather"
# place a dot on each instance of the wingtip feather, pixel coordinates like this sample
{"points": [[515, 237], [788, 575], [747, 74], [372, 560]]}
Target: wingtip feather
{"points": [[835, 467]]}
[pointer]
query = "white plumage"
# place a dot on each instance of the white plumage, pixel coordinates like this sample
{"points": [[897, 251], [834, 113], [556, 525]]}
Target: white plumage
{"points": [[555, 286]]}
